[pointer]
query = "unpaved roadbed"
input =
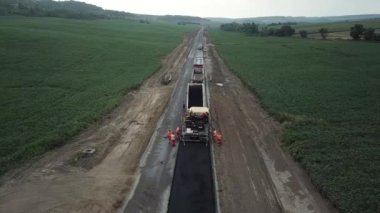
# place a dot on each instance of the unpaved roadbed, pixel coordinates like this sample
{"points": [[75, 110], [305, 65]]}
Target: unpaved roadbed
{"points": [[65, 181], [254, 173]]}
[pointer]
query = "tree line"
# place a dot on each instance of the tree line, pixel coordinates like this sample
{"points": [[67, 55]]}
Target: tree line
{"points": [[245, 27], [252, 28], [357, 32], [63, 9]]}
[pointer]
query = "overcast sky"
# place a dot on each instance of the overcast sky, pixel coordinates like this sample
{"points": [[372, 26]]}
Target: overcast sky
{"points": [[242, 8]]}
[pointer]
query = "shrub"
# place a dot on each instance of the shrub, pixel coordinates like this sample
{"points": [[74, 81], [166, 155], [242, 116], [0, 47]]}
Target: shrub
{"points": [[303, 33], [369, 34], [357, 31], [285, 31], [323, 32]]}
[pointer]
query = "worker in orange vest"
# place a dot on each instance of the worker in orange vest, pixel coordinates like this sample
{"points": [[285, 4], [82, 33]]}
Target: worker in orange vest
{"points": [[172, 139], [169, 132], [178, 131], [217, 137]]}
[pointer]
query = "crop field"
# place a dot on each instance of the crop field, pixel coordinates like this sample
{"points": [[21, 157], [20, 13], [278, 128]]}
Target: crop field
{"points": [[60, 75], [327, 96]]}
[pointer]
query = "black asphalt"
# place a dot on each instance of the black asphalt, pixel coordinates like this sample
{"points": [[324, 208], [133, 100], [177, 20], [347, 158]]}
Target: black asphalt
{"points": [[192, 187], [195, 96], [154, 185]]}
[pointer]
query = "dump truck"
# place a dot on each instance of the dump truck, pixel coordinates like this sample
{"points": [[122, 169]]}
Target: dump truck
{"points": [[195, 95], [198, 73], [195, 122], [198, 65]]}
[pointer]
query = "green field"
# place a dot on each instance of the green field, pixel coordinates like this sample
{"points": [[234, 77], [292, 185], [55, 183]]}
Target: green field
{"points": [[327, 93], [60, 75]]}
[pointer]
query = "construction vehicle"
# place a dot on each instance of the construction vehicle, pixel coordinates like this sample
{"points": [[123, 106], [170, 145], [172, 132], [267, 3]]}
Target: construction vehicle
{"points": [[198, 73], [198, 65], [195, 123]]}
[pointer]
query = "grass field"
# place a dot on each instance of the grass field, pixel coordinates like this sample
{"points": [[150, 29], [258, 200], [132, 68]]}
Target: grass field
{"points": [[60, 75], [328, 95]]}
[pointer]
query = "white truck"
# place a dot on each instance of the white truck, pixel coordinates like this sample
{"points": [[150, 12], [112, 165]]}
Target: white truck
{"points": [[198, 73]]}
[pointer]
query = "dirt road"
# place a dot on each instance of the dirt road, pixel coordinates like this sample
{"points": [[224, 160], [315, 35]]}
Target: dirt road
{"points": [[254, 173], [65, 180]]}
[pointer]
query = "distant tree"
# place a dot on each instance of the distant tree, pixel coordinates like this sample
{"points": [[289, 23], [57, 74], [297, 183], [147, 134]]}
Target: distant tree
{"points": [[231, 27], [265, 31], [283, 31], [357, 31], [63, 9], [271, 32], [244, 27], [303, 33], [323, 32], [369, 34], [268, 31], [250, 28], [288, 30]]}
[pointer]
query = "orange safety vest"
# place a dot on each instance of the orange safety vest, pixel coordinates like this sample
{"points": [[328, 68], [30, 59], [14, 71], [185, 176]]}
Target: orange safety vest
{"points": [[168, 134], [172, 137], [217, 137]]}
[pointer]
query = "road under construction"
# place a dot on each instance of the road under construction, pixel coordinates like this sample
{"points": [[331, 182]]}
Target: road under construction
{"points": [[136, 169], [248, 173], [179, 179]]}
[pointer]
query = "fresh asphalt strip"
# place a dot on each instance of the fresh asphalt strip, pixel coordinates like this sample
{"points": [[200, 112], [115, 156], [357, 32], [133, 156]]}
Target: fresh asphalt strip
{"points": [[192, 188]]}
